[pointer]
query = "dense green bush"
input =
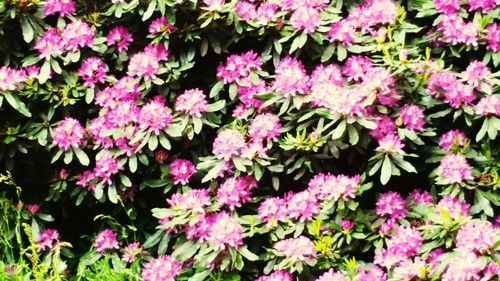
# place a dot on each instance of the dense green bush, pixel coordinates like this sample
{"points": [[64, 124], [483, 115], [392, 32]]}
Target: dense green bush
{"points": [[249, 140]]}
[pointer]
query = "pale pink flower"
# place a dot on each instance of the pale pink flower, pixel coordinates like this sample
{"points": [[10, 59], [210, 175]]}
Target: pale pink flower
{"points": [[160, 25], [306, 18], [143, 64], [194, 200], [265, 126], [390, 144], [10, 78], [131, 252], [455, 208], [476, 235], [412, 117], [302, 206], [63, 7], [291, 78], [50, 44], [450, 138], [225, 232], [76, 35], [373, 274], [300, 249], [192, 102], [162, 268], [228, 143], [488, 105], [213, 5], [235, 191], [239, 66], [119, 36], [272, 210], [182, 170], [331, 275], [68, 133], [279, 275], [106, 240], [454, 168], [331, 187], [155, 116], [408, 269], [464, 266]]}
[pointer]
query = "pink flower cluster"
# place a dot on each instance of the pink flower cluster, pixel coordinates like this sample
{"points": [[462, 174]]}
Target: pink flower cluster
{"points": [[160, 25], [478, 236], [454, 207], [119, 36], [47, 240], [450, 138], [182, 170], [390, 144], [291, 78], [192, 102], [93, 70], [455, 92], [239, 67], [363, 19], [218, 229], [194, 201], [454, 168], [265, 13], [412, 117], [488, 105], [331, 187], [154, 115], [300, 249], [75, 35], [131, 252], [63, 7], [405, 242], [456, 31], [279, 275], [391, 205], [228, 143], [106, 240], [235, 191], [147, 63], [331, 275], [162, 268], [11, 79], [68, 133], [264, 126]]}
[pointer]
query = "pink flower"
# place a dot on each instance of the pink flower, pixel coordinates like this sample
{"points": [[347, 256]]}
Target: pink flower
{"points": [[228, 143], [450, 138], [291, 78], [225, 232], [455, 30], [124, 90], [441, 81], [390, 144], [119, 36], [50, 44], [476, 73], [298, 249], [412, 117], [265, 126], [68, 133], [193, 201], [447, 6], [488, 105], [239, 66], [373, 274], [76, 35], [454, 168], [347, 225], [279, 275], [306, 18], [122, 114], [246, 10], [106, 166], [491, 270], [331, 275], [453, 206], [63, 7], [85, 180], [342, 32], [464, 266], [192, 102], [484, 5], [385, 127], [162, 268], [33, 208], [10, 79], [392, 205], [272, 210], [160, 25], [476, 235], [331, 187], [406, 240], [106, 240], [47, 240], [181, 170], [423, 197], [493, 37], [235, 191], [213, 5], [93, 71], [302, 206], [155, 116], [143, 64], [408, 269], [131, 252]]}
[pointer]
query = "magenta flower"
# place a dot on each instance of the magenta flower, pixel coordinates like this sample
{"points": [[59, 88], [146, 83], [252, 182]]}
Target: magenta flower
{"points": [[423, 197], [279, 275], [239, 66], [131, 252], [373, 274], [493, 37], [464, 266], [447, 6], [194, 200], [291, 78], [488, 105], [306, 18], [342, 32], [412, 117], [33, 208], [448, 139], [106, 240], [385, 126], [63, 7], [331, 187], [272, 210], [51, 44], [235, 191], [92, 71], [390, 144], [106, 166], [265, 126], [454, 168], [68, 133], [298, 249], [85, 180], [47, 240], [476, 73], [76, 35], [119, 36], [213, 5], [155, 116], [225, 232], [192, 102], [456, 31], [391, 205], [160, 25], [143, 64], [347, 225], [162, 268], [228, 143], [182, 170], [453, 206], [10, 79], [484, 5]]}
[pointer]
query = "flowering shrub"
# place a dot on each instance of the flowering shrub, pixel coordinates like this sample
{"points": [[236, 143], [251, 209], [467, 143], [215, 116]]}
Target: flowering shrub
{"points": [[249, 140]]}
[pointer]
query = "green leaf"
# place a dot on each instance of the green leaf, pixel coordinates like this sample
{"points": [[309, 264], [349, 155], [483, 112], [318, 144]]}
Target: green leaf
{"points": [[386, 171], [149, 11], [214, 171], [17, 104], [216, 106], [153, 142], [327, 53], [197, 125], [341, 53], [132, 163], [82, 156], [483, 130], [186, 250], [68, 156], [200, 276], [339, 131], [44, 72], [125, 180], [298, 42], [243, 250], [153, 239], [112, 194], [27, 30]]}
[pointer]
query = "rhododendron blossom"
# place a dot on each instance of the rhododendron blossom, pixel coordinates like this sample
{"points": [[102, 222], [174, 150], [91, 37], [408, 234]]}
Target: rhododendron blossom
{"points": [[296, 249], [106, 240], [162, 268], [192, 102], [454, 168], [69, 133], [228, 143], [182, 170]]}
